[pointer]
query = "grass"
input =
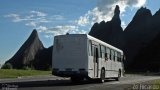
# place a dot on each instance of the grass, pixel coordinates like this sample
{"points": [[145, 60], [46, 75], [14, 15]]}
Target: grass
{"points": [[157, 82], [148, 85], [13, 73]]}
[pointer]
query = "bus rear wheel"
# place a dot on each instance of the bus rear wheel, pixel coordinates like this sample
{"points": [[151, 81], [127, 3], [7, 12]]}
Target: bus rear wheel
{"points": [[102, 77], [119, 75]]}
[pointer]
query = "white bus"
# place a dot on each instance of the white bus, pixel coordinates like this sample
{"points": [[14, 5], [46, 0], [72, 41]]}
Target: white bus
{"points": [[82, 56]]}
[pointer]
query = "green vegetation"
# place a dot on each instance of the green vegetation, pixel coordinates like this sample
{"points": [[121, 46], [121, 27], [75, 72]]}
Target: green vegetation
{"points": [[148, 85], [156, 82], [27, 68], [7, 66], [13, 73]]}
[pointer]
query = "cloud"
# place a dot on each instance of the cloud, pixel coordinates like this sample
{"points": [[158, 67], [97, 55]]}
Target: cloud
{"points": [[42, 29], [38, 13], [33, 18], [48, 36], [15, 17], [83, 20], [98, 15], [38, 20], [123, 24], [57, 17], [106, 7], [136, 3], [42, 20], [12, 15], [33, 24], [60, 30], [105, 10], [140, 3], [30, 16]]}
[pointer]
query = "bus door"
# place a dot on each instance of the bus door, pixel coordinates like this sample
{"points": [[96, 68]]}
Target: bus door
{"points": [[95, 59]]}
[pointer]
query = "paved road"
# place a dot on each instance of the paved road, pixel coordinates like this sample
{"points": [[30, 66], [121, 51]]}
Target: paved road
{"points": [[57, 83]]}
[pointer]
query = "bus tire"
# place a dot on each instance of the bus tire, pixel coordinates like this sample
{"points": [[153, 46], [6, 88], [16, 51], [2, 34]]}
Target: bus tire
{"points": [[102, 77], [119, 75], [76, 79]]}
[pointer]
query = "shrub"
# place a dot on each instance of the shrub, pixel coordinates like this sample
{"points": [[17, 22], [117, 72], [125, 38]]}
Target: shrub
{"points": [[26, 68], [7, 66]]}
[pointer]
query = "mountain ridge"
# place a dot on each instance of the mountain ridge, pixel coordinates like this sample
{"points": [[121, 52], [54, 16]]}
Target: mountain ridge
{"points": [[137, 37], [143, 28], [111, 31], [28, 52]]}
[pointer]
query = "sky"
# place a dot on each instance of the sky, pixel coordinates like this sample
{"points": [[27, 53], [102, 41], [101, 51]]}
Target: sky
{"points": [[18, 18]]}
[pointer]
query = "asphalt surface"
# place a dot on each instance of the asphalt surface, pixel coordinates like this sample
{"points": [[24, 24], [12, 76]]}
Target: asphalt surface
{"points": [[58, 83]]}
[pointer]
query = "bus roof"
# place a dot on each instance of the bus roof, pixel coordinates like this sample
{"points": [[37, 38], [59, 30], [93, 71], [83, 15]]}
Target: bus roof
{"points": [[94, 39], [104, 43]]}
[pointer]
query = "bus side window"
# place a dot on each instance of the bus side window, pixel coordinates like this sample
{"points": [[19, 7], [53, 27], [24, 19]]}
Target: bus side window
{"points": [[107, 53], [112, 55], [102, 52], [121, 58], [96, 55], [106, 56], [90, 48], [118, 57], [115, 56]]}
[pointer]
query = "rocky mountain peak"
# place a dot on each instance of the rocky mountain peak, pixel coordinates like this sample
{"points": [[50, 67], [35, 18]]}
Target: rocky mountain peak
{"points": [[34, 32], [111, 31], [143, 9], [137, 42], [116, 18], [142, 13], [117, 11], [33, 35], [157, 13], [27, 52]]}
